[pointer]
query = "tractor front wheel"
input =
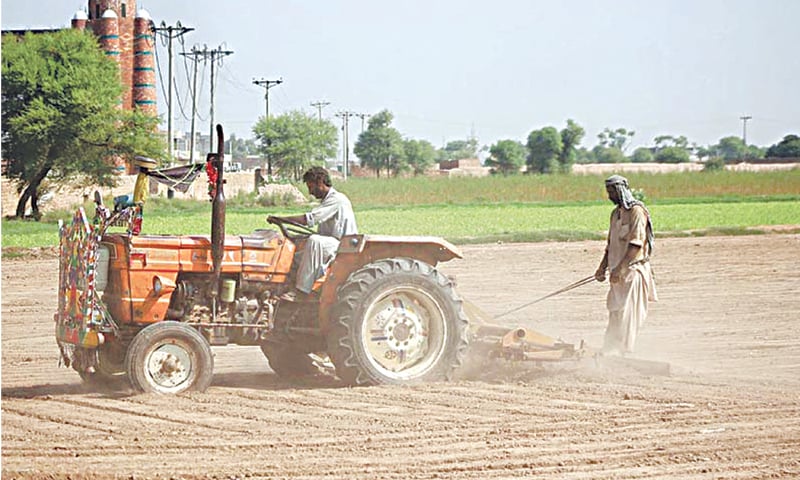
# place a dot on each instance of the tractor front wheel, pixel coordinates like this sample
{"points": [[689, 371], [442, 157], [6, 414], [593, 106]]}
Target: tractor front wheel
{"points": [[169, 357], [397, 321]]}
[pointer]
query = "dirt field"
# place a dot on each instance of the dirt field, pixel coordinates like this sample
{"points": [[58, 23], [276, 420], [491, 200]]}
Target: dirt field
{"points": [[727, 322]]}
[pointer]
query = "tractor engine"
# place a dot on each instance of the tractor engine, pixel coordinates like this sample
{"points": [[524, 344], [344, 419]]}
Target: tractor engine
{"points": [[245, 315]]}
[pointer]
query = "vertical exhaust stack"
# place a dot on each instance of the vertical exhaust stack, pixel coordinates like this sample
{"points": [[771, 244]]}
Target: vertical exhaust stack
{"points": [[217, 213]]}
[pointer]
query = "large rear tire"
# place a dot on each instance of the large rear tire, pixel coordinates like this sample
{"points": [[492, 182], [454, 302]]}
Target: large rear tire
{"points": [[169, 358], [397, 321]]}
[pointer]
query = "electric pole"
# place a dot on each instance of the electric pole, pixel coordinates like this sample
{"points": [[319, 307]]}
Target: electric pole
{"points": [[319, 105], [345, 116], [362, 116], [744, 120], [195, 56], [267, 84], [171, 33], [216, 56]]}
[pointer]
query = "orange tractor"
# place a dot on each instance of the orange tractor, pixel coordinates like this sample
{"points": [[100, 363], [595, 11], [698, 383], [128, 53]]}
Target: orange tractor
{"points": [[148, 308]]}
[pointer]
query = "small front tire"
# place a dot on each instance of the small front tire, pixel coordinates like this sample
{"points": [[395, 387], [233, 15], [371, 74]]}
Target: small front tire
{"points": [[169, 358]]}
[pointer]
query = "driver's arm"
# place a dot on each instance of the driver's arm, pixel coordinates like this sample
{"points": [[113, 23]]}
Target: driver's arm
{"points": [[301, 219]]}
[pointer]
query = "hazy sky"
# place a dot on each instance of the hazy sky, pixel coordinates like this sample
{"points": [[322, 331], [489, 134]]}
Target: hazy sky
{"points": [[498, 69]]}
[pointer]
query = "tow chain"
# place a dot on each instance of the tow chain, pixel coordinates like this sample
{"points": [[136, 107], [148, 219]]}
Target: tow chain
{"points": [[569, 287], [579, 283]]}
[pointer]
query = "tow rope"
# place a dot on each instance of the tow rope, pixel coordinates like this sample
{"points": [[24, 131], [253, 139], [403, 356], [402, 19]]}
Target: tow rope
{"points": [[569, 287]]}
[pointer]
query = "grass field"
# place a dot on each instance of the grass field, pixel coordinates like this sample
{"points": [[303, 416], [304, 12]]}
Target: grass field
{"points": [[469, 210]]}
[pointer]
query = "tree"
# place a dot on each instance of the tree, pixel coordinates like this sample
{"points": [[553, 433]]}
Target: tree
{"points": [[60, 96], [458, 149], [789, 147], [642, 155], [584, 155], [241, 147], [544, 146], [571, 137], [296, 141], [672, 154], [619, 138], [420, 155], [663, 141], [380, 146], [608, 154], [730, 148], [506, 157]]}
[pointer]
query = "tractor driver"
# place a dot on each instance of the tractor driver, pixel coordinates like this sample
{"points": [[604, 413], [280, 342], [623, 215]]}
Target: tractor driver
{"points": [[334, 218]]}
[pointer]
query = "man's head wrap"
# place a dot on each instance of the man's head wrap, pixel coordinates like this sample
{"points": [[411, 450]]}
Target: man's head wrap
{"points": [[624, 193], [627, 201]]}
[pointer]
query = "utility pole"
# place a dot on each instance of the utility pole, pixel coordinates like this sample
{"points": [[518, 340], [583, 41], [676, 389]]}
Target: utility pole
{"points": [[345, 116], [195, 56], [318, 106], [744, 120], [362, 116], [216, 56], [267, 84], [171, 33]]}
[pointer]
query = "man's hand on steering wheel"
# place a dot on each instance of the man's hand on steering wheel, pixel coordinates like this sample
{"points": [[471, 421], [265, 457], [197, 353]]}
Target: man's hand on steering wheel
{"points": [[290, 228]]}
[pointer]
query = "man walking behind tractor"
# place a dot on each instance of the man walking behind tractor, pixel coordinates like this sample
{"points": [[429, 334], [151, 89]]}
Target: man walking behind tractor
{"points": [[335, 218], [627, 257]]}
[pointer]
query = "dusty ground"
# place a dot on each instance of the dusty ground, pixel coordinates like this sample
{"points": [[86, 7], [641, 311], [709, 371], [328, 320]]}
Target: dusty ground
{"points": [[727, 322]]}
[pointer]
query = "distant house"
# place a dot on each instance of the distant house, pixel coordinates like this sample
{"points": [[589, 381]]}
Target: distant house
{"points": [[465, 167]]}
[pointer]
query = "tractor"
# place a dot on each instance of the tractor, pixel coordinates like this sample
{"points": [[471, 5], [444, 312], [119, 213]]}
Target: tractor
{"points": [[145, 310]]}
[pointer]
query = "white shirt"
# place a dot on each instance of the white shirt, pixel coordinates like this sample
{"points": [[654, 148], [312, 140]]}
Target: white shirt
{"points": [[334, 216]]}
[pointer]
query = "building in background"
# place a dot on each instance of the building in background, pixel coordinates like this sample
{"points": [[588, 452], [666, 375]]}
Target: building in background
{"points": [[126, 35]]}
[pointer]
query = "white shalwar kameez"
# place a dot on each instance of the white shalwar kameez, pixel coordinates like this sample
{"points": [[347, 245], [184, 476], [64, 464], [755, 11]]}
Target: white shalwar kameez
{"points": [[336, 219]]}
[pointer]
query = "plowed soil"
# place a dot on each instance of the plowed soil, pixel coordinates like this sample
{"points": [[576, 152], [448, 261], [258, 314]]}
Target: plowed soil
{"points": [[727, 322]]}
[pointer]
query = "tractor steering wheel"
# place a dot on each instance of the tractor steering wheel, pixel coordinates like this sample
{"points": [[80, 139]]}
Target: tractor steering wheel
{"points": [[290, 229]]}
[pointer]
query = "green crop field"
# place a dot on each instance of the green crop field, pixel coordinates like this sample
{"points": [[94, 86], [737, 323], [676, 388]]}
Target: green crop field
{"points": [[468, 210]]}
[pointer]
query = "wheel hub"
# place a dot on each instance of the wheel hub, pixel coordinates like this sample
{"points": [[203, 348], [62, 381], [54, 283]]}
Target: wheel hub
{"points": [[169, 366], [398, 337], [404, 331]]}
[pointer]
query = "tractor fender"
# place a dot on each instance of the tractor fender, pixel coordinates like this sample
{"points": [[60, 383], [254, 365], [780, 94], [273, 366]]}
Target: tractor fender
{"points": [[355, 251]]}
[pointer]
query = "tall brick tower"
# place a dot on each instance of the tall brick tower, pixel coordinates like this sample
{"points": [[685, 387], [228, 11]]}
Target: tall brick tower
{"points": [[129, 40]]}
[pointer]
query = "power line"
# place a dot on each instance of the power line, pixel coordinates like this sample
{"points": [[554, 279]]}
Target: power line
{"points": [[744, 119], [319, 106], [195, 56], [345, 116], [362, 116], [267, 84], [170, 33]]}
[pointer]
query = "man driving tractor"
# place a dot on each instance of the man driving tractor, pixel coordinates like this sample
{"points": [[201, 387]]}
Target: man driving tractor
{"points": [[334, 218]]}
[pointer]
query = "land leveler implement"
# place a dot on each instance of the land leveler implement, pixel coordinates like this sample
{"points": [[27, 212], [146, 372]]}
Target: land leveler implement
{"points": [[145, 310]]}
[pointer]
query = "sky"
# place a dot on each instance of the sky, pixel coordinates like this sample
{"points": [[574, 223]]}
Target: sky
{"points": [[450, 69]]}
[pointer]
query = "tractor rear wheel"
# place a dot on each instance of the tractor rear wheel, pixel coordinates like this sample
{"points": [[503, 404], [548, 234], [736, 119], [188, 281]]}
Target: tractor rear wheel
{"points": [[169, 357], [397, 321]]}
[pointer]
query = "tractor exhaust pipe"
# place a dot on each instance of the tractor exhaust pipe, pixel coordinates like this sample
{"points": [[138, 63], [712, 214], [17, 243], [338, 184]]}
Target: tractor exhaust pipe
{"points": [[217, 214]]}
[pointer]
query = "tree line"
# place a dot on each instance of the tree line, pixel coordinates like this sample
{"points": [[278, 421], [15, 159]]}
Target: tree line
{"points": [[296, 140], [61, 120]]}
